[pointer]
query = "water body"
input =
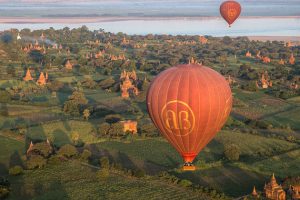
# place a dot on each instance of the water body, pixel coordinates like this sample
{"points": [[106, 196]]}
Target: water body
{"points": [[214, 26], [158, 8]]}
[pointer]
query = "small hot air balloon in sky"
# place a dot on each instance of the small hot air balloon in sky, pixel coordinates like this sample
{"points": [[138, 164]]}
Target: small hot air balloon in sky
{"points": [[230, 11], [189, 104]]}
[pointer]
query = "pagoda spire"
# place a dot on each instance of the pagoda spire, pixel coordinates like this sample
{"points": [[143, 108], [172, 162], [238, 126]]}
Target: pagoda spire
{"points": [[42, 36], [281, 62], [273, 180], [68, 65], [254, 193], [292, 59], [28, 76], [41, 80], [193, 61]]}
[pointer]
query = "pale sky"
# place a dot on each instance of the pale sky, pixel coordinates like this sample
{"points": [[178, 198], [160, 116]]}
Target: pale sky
{"points": [[70, 1]]}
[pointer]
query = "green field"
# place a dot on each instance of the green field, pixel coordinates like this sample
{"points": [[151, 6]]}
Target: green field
{"points": [[255, 105], [229, 179], [73, 181], [10, 153], [233, 179], [60, 132], [291, 117], [160, 152]]}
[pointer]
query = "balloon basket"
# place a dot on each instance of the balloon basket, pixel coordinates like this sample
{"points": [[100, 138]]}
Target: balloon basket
{"points": [[189, 168]]}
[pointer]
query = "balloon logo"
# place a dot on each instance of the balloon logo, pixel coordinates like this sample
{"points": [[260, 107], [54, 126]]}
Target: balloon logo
{"points": [[230, 11], [189, 104], [180, 124]]}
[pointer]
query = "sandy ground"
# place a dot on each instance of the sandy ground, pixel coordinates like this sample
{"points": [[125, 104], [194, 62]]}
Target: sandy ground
{"points": [[293, 39]]}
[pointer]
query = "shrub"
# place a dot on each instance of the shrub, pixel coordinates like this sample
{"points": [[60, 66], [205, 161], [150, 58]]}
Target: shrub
{"points": [[104, 162], [118, 166], [7, 38], [85, 155], [149, 129], [76, 141], [68, 151], [16, 170], [263, 125], [35, 161], [116, 129], [55, 160], [74, 103], [42, 149], [4, 182], [72, 108], [139, 173], [250, 86], [4, 97], [103, 128], [4, 192], [232, 152], [291, 138], [185, 183], [103, 174]]}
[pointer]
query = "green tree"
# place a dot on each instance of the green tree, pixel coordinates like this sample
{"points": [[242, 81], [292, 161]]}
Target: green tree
{"points": [[116, 129], [232, 152], [35, 161], [4, 96], [86, 114], [185, 183], [68, 151], [139, 173], [36, 56], [103, 128], [85, 155], [74, 103], [16, 170], [43, 149], [104, 162], [103, 174], [7, 38], [4, 188]]}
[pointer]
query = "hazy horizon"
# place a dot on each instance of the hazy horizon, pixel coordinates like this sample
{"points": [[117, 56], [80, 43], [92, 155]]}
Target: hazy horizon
{"points": [[90, 8]]}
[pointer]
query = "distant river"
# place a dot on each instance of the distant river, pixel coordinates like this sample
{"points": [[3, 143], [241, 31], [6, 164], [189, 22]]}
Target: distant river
{"points": [[247, 26]]}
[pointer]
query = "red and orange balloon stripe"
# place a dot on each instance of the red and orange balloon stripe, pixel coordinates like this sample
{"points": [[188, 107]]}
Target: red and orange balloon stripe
{"points": [[230, 11], [189, 104]]}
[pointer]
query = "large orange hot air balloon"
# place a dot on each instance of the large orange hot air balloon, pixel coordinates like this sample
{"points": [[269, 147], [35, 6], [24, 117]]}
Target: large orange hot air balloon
{"points": [[189, 104], [230, 11]]}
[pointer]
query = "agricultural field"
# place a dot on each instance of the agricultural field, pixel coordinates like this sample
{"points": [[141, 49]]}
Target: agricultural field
{"points": [[11, 152], [75, 181], [60, 132], [256, 105], [290, 117], [213, 170]]}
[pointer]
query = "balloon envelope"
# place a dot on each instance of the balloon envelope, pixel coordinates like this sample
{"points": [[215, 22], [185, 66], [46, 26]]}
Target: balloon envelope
{"points": [[230, 11], [189, 104]]}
